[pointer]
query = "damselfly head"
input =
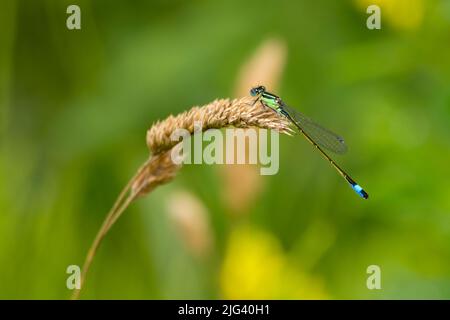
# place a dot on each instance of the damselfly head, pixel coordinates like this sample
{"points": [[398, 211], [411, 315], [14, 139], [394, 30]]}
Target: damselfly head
{"points": [[257, 90]]}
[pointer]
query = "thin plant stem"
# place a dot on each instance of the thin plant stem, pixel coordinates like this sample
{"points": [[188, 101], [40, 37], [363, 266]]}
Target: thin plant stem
{"points": [[119, 206]]}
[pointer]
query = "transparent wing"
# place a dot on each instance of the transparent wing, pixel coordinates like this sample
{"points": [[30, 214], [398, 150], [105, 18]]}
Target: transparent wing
{"points": [[322, 136]]}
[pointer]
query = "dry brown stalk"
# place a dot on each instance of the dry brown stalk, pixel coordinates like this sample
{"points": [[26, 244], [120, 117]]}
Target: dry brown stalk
{"points": [[159, 168], [239, 113], [243, 184], [190, 216]]}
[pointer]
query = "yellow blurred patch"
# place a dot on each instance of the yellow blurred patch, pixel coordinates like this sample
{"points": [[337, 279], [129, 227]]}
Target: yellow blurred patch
{"points": [[255, 267], [401, 14]]}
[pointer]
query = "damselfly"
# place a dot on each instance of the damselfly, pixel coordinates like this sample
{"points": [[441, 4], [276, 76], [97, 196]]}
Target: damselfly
{"points": [[318, 136]]}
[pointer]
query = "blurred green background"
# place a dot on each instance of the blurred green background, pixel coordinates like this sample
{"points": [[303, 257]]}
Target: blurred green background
{"points": [[75, 107]]}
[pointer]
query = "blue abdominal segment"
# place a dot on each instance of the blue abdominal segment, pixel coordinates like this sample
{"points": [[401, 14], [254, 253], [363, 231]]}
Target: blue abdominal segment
{"points": [[360, 191]]}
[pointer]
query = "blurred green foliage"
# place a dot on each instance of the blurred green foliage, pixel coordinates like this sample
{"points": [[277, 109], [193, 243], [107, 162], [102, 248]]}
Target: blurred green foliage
{"points": [[75, 106]]}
